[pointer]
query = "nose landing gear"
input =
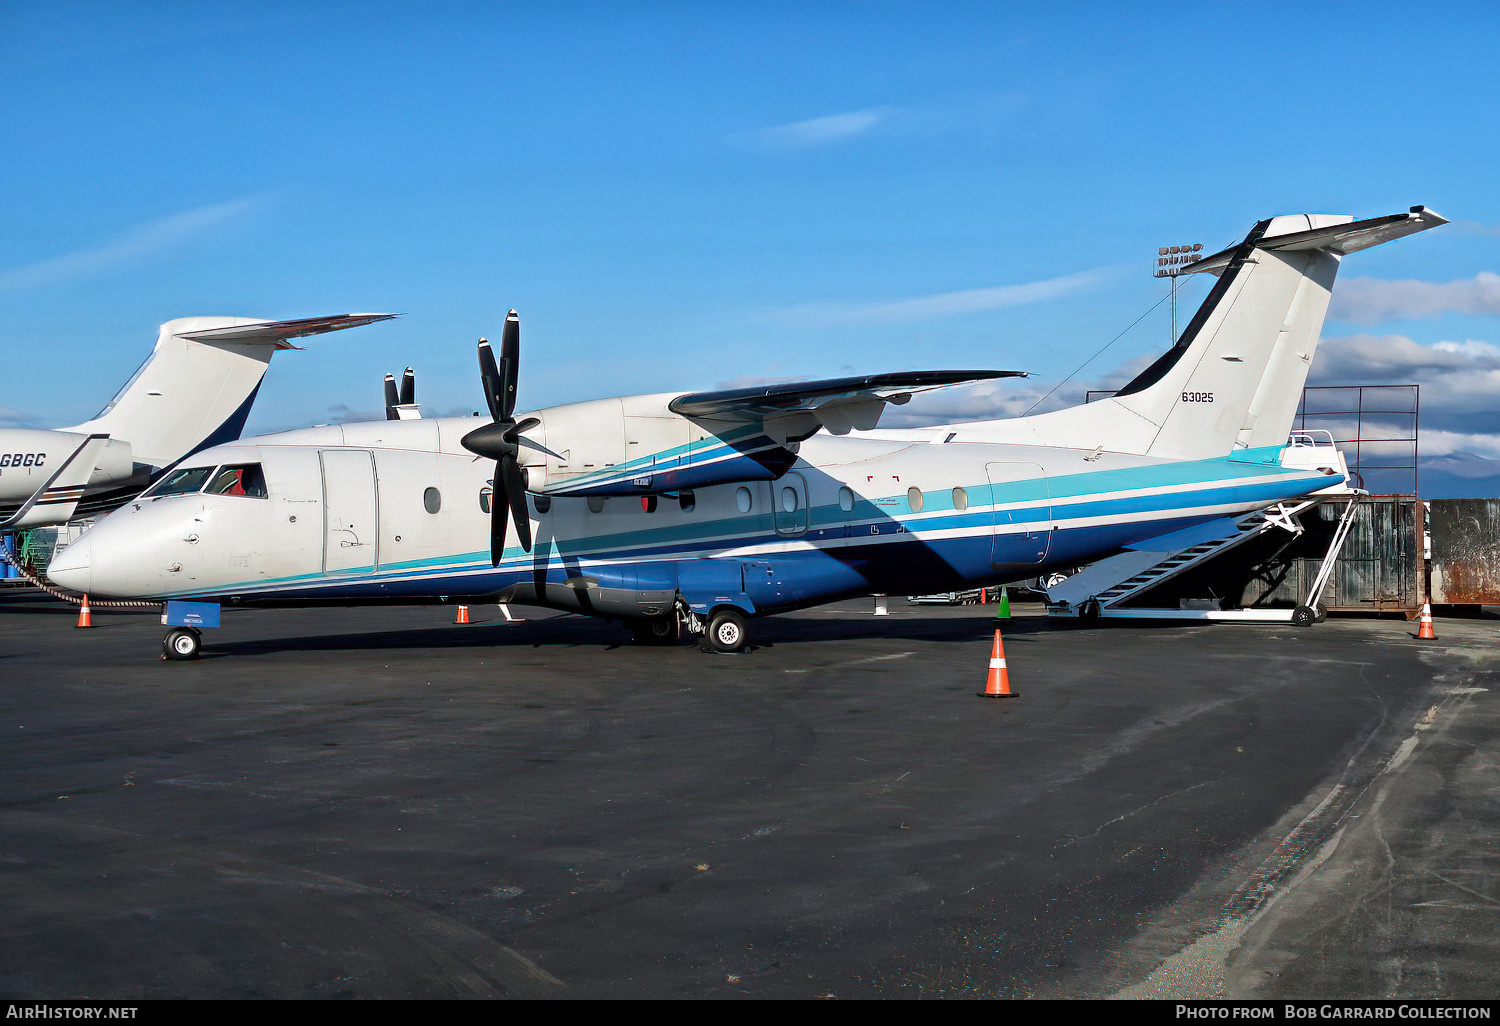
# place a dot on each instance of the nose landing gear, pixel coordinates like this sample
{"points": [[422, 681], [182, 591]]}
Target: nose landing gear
{"points": [[182, 643]]}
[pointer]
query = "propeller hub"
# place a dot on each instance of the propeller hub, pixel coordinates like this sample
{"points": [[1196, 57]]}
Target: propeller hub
{"points": [[492, 440]]}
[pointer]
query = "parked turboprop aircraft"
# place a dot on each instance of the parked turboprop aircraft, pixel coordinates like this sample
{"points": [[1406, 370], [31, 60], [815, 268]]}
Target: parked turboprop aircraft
{"points": [[194, 391], [699, 510]]}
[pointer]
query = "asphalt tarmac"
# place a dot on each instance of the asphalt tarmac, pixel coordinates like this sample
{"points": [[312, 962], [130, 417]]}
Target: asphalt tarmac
{"points": [[375, 803]]}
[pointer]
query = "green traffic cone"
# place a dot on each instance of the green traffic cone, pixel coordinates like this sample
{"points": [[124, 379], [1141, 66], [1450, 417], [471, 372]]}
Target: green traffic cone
{"points": [[1002, 611]]}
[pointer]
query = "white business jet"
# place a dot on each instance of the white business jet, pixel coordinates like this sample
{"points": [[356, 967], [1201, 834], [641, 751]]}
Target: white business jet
{"points": [[695, 511], [194, 391]]}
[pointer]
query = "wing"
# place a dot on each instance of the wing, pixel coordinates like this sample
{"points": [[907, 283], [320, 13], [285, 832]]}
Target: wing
{"points": [[838, 404]]}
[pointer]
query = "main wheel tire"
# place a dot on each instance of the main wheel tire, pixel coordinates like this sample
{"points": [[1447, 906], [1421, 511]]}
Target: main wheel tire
{"points": [[727, 631], [657, 630], [181, 643], [1304, 616]]}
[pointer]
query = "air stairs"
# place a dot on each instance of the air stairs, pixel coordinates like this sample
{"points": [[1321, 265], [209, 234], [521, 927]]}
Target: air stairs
{"points": [[1103, 589]]}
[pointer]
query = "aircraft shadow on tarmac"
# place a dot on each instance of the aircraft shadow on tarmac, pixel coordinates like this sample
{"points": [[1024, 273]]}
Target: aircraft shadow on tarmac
{"points": [[580, 632]]}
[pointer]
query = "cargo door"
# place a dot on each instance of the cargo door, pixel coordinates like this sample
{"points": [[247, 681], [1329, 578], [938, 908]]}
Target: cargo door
{"points": [[1023, 514], [350, 533]]}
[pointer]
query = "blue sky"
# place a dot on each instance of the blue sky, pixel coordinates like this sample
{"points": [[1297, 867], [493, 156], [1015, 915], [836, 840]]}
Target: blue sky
{"points": [[677, 196]]}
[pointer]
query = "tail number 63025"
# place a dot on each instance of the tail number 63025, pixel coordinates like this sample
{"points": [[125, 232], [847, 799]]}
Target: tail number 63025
{"points": [[1197, 397]]}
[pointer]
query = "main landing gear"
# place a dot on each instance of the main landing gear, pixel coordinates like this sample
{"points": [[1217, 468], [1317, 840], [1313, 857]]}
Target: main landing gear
{"points": [[656, 630], [724, 630], [182, 643]]}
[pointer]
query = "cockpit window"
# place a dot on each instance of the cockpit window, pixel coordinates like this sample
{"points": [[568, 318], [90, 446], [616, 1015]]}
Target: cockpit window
{"points": [[239, 479], [181, 482]]}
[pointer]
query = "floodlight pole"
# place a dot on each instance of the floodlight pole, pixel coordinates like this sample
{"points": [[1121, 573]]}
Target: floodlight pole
{"points": [[1174, 309], [1169, 263]]}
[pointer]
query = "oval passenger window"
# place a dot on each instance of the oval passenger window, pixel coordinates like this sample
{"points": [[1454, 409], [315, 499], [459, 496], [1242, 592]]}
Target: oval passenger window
{"points": [[914, 499], [789, 500], [960, 499], [432, 501], [846, 500], [742, 499]]}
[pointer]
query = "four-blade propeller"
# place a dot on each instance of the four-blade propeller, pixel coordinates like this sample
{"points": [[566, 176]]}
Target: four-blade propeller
{"points": [[406, 396], [500, 440]]}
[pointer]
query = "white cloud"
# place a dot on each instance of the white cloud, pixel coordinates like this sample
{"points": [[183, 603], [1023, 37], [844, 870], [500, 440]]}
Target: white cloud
{"points": [[136, 242], [946, 304], [801, 135], [1454, 376], [10, 418], [1372, 300]]}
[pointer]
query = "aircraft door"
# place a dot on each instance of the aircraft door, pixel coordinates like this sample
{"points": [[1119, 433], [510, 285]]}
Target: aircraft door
{"points": [[350, 531], [1023, 514], [789, 502]]}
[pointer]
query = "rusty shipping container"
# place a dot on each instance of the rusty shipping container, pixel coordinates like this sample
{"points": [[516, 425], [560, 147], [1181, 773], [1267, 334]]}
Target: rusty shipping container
{"points": [[1465, 551]]}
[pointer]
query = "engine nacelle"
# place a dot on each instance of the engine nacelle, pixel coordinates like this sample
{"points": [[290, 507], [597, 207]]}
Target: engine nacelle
{"points": [[635, 445]]}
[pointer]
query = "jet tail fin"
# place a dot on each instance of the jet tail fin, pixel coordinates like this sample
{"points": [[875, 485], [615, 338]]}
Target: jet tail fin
{"points": [[197, 387], [1234, 378]]}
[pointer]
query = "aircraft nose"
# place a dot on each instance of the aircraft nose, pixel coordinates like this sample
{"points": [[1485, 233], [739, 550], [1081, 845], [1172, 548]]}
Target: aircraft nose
{"points": [[72, 567]]}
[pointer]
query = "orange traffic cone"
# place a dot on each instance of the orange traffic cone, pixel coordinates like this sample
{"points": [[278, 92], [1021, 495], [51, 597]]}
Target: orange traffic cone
{"points": [[997, 684], [463, 615], [84, 617], [1425, 632]]}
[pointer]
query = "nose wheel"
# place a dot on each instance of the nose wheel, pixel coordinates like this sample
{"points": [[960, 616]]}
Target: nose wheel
{"points": [[181, 643]]}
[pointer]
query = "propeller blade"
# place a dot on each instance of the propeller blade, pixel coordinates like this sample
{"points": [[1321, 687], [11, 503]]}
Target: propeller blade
{"points": [[529, 444], [489, 376], [515, 494], [408, 388], [510, 364], [497, 520], [390, 398]]}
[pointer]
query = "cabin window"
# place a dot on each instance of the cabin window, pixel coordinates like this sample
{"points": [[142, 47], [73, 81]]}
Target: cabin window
{"points": [[687, 500], [742, 500], [596, 504], [181, 482], [541, 503], [960, 499], [238, 479], [914, 499], [484, 499], [648, 504], [432, 500], [789, 500], [846, 500]]}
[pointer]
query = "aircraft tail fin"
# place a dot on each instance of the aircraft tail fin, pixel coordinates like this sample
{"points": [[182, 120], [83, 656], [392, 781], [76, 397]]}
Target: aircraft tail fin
{"points": [[197, 387], [1235, 377]]}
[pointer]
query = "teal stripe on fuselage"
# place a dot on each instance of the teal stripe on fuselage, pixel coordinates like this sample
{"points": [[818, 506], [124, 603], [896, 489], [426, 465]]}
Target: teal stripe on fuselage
{"points": [[1070, 497]]}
